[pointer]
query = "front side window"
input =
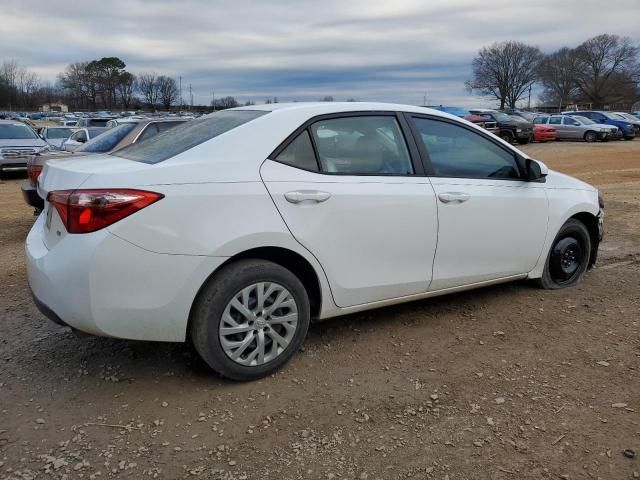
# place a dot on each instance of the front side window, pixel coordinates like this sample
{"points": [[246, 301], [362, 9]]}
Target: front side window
{"points": [[555, 121], [457, 152], [187, 135], [361, 145], [540, 120], [569, 121]]}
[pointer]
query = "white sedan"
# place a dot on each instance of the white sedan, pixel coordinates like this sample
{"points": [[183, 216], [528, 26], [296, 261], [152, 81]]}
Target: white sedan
{"points": [[239, 228]]}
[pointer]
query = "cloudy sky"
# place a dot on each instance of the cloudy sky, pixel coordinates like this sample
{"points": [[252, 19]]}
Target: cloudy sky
{"points": [[393, 50]]}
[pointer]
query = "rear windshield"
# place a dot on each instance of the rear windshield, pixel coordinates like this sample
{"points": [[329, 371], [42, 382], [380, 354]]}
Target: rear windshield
{"points": [[187, 135], [107, 141]]}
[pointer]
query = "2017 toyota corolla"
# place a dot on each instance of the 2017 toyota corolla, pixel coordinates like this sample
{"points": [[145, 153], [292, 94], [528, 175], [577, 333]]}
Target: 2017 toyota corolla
{"points": [[238, 228]]}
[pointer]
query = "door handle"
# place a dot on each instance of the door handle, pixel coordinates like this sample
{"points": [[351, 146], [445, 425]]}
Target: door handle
{"points": [[454, 197], [299, 196]]}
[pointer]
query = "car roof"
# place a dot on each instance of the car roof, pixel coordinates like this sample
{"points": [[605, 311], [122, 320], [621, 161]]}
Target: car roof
{"points": [[319, 108], [13, 122]]}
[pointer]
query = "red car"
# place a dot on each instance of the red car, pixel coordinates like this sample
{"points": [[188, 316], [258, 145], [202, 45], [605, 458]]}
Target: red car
{"points": [[544, 133]]}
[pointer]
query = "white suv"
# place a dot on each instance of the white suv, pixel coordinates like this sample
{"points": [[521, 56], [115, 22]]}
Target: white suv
{"points": [[238, 228]]}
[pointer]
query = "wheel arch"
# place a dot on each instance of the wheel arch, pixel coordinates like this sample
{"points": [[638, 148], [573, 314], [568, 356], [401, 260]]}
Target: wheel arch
{"points": [[284, 257], [591, 222]]}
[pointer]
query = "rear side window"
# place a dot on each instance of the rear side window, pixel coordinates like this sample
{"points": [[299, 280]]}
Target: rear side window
{"points": [[540, 120], [361, 145], [299, 153], [187, 135], [458, 152], [108, 140], [555, 121]]}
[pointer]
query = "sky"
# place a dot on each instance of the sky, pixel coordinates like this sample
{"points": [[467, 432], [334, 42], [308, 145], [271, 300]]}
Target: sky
{"points": [[399, 51]]}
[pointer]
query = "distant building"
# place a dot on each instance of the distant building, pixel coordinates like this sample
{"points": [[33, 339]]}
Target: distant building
{"points": [[54, 107]]}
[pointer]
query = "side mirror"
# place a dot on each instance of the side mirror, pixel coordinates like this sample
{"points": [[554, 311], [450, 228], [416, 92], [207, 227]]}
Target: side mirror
{"points": [[536, 170], [81, 140]]}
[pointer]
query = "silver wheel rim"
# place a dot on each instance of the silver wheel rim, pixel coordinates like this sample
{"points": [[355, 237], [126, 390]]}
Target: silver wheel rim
{"points": [[258, 324]]}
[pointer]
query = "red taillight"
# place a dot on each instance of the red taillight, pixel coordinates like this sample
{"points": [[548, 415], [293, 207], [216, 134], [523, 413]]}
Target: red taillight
{"points": [[33, 172], [85, 211]]}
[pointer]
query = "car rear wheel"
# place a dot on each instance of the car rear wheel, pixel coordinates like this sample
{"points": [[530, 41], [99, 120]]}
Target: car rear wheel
{"points": [[250, 319], [568, 258], [524, 141], [590, 137]]}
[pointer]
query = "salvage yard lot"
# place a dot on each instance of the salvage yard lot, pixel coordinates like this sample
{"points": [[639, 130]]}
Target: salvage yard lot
{"points": [[507, 382]]}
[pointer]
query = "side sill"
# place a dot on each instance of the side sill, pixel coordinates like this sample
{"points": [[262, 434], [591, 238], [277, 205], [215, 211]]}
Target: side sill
{"points": [[421, 296]]}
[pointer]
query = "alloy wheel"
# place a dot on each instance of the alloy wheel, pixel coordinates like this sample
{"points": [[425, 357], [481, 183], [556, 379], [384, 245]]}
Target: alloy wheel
{"points": [[258, 324]]}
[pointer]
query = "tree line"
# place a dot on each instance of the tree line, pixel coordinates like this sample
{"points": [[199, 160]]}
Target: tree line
{"points": [[603, 70], [97, 84]]}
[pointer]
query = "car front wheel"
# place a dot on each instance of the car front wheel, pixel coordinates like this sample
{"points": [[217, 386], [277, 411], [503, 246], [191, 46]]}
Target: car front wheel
{"points": [[590, 137], [250, 319], [568, 258]]}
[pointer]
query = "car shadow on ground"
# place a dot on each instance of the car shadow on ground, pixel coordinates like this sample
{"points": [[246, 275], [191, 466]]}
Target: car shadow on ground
{"points": [[63, 354]]}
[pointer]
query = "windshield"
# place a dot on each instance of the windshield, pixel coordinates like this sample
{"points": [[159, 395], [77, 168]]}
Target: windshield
{"points": [[107, 141], [59, 132], [628, 116], [583, 120], [502, 117], [187, 135], [16, 131], [526, 115]]}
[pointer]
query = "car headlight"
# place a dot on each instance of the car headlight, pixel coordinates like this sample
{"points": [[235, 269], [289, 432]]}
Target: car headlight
{"points": [[518, 130]]}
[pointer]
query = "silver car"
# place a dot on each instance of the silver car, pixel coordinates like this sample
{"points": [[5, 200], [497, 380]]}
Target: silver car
{"points": [[577, 127], [56, 136], [18, 142]]}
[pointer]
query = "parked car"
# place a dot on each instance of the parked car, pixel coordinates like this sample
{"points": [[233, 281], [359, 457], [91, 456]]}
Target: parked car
{"points": [[544, 133], [238, 228], [108, 141], [632, 119], [576, 128], [636, 114], [82, 136], [68, 123], [93, 121], [510, 128], [17, 142], [526, 116], [627, 130], [56, 136], [119, 121], [483, 122]]}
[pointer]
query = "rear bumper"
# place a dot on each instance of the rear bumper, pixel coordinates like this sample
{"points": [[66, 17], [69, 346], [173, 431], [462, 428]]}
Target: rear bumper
{"points": [[12, 166], [30, 195], [102, 285]]}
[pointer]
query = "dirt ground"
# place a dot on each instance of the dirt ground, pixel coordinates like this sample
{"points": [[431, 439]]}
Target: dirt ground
{"points": [[507, 382]]}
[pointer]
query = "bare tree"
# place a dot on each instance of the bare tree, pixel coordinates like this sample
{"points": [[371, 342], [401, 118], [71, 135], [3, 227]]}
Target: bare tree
{"points": [[505, 71], [126, 88], [602, 63], [148, 87], [328, 98], [167, 91], [225, 102], [557, 73]]}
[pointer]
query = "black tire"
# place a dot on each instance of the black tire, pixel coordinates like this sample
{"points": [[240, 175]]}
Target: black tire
{"points": [[506, 136], [568, 258], [605, 138], [210, 305], [629, 138], [523, 141], [590, 136]]}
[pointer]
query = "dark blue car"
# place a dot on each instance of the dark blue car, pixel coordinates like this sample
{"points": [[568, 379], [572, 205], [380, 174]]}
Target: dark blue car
{"points": [[627, 130]]}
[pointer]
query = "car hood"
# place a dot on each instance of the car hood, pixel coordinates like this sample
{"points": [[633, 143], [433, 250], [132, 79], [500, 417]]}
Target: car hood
{"points": [[560, 180], [33, 142]]}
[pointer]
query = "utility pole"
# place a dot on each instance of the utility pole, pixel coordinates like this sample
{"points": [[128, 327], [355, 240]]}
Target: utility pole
{"points": [[529, 102], [191, 97], [213, 99], [180, 77]]}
